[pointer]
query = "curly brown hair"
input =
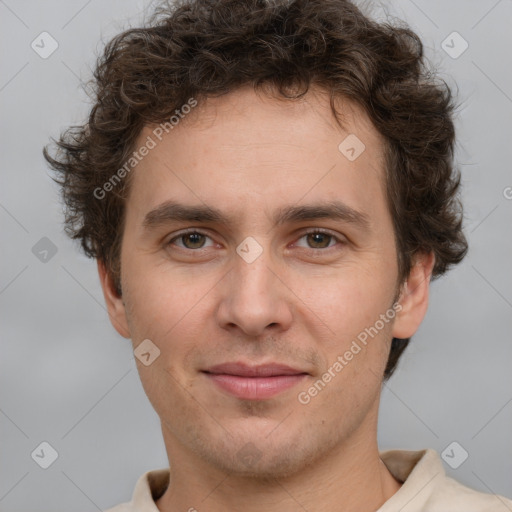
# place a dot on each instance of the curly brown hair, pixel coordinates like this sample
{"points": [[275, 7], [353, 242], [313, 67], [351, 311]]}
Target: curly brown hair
{"points": [[204, 48]]}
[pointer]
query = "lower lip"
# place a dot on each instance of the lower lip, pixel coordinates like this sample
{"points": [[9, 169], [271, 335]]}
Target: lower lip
{"points": [[255, 388]]}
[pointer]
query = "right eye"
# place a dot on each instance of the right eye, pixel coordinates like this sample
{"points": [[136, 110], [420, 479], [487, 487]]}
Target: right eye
{"points": [[191, 240]]}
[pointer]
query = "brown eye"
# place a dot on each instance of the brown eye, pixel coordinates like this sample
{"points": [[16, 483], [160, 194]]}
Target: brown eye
{"points": [[319, 240], [196, 240], [191, 240]]}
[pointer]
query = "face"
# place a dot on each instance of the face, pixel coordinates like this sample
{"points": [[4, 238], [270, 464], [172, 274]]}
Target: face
{"points": [[255, 256]]}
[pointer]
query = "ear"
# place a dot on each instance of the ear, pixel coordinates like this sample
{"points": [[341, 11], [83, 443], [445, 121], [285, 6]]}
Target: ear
{"points": [[114, 302], [414, 297]]}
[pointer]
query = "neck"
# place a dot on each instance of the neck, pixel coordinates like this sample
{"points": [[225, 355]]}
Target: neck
{"points": [[351, 477]]}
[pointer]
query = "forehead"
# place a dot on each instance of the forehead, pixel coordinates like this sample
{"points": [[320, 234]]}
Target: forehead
{"points": [[249, 144]]}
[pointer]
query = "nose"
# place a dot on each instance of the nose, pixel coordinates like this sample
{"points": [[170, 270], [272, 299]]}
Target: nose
{"points": [[255, 298]]}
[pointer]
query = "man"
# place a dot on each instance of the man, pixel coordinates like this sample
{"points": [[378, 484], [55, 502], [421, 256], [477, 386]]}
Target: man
{"points": [[268, 189]]}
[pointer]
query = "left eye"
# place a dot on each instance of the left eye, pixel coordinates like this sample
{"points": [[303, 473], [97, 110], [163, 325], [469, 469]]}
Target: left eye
{"points": [[319, 239]]}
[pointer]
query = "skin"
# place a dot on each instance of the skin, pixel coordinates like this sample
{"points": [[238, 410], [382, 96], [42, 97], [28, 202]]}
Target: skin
{"points": [[301, 302]]}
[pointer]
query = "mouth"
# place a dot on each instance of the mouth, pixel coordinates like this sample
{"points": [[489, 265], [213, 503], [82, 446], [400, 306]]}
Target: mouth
{"points": [[258, 382]]}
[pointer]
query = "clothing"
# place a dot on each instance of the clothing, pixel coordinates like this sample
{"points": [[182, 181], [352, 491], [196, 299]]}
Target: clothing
{"points": [[425, 488]]}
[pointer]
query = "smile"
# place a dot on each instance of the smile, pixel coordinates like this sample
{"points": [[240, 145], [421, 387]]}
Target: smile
{"points": [[254, 382]]}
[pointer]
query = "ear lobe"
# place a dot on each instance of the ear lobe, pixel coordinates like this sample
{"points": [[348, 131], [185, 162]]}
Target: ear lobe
{"points": [[414, 297], [114, 302]]}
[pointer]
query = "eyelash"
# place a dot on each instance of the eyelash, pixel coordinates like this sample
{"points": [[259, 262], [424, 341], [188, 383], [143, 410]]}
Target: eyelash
{"points": [[309, 232]]}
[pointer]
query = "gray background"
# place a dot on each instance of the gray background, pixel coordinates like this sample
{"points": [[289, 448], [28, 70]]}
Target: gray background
{"points": [[67, 378]]}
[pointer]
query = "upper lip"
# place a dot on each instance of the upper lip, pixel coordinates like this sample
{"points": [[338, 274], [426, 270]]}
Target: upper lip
{"points": [[246, 370]]}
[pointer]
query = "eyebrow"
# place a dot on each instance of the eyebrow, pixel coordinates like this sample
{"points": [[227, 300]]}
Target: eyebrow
{"points": [[171, 211]]}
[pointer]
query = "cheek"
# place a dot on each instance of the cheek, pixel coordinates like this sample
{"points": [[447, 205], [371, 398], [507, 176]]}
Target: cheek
{"points": [[159, 299], [346, 300], [173, 313], [351, 305]]}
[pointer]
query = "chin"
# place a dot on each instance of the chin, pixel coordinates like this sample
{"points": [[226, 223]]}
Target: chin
{"points": [[259, 459], [264, 470]]}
